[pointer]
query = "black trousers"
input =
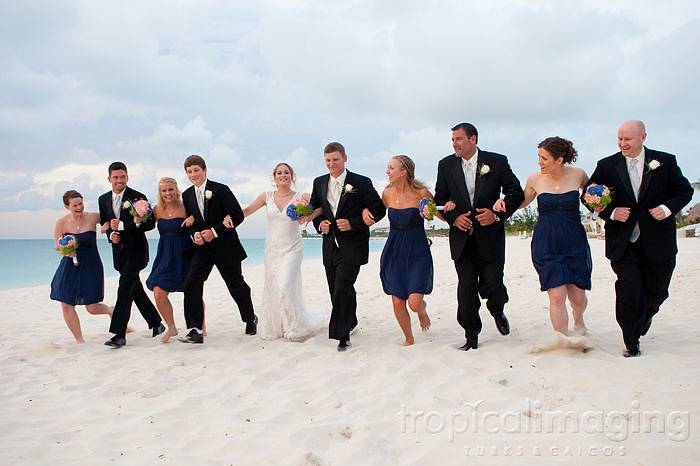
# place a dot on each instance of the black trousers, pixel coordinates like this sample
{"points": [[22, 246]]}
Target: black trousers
{"points": [[131, 291], [341, 286], [202, 263], [478, 277], [641, 287]]}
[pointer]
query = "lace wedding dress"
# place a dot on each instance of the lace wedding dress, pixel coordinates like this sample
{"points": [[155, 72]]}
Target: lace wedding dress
{"points": [[284, 314]]}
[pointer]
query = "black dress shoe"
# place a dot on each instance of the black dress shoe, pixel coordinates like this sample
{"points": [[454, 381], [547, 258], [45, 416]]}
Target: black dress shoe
{"points": [[502, 324], [632, 352], [472, 343], [343, 345], [116, 342], [193, 337], [158, 330], [251, 328]]}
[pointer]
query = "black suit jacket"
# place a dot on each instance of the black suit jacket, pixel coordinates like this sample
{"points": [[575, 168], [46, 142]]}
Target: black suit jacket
{"points": [[665, 185], [353, 244], [227, 247], [451, 185], [133, 244]]}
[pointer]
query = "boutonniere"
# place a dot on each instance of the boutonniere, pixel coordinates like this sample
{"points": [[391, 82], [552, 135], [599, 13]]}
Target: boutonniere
{"points": [[349, 188], [483, 169], [207, 194], [653, 165], [126, 205]]}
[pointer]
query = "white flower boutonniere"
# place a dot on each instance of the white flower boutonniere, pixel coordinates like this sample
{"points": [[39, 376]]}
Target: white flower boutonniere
{"points": [[653, 165], [483, 169], [349, 188], [207, 194], [126, 205]]}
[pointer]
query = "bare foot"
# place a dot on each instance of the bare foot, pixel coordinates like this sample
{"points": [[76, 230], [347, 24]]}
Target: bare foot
{"points": [[423, 318], [129, 329], [408, 342], [167, 335], [579, 330]]}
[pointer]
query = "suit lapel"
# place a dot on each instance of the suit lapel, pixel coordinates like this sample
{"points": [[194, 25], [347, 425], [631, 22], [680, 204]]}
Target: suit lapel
{"points": [[646, 174], [323, 195], [192, 200], [343, 192], [621, 168], [458, 173], [206, 201], [478, 179]]}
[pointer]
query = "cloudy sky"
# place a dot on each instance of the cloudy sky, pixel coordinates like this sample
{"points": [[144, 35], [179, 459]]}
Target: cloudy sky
{"points": [[248, 84]]}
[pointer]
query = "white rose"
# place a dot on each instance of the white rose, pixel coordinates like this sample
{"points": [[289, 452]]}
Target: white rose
{"points": [[485, 169], [207, 194], [126, 204], [654, 164], [349, 188]]}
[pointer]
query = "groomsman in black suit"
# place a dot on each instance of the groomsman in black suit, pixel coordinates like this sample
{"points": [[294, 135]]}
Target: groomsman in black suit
{"points": [[640, 230], [343, 195], [209, 203], [129, 252], [473, 179]]}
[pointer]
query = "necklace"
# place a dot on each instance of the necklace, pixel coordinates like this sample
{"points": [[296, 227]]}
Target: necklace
{"points": [[76, 222]]}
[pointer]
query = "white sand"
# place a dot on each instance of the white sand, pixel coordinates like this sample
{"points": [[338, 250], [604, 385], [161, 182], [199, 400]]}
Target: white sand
{"points": [[240, 400]]}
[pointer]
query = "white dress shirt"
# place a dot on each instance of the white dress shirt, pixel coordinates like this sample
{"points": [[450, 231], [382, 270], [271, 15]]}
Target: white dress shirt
{"points": [[335, 190], [469, 169]]}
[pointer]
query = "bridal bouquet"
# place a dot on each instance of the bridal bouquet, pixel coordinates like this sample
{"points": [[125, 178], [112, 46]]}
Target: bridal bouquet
{"points": [[597, 197], [428, 209], [140, 210], [299, 208], [68, 246]]}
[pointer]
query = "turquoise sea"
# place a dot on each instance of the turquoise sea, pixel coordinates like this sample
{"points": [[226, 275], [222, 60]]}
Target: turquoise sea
{"points": [[33, 262]]}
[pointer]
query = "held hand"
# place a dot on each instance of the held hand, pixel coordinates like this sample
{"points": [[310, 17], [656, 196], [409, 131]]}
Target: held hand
{"points": [[304, 220], [207, 235], [367, 217], [658, 213], [343, 224], [105, 227], [324, 227], [463, 222], [485, 217], [499, 206], [228, 223], [188, 222], [198, 239], [114, 224], [450, 205], [115, 238], [621, 214]]}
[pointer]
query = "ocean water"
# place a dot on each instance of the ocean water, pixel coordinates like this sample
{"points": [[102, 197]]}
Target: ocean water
{"points": [[33, 262]]}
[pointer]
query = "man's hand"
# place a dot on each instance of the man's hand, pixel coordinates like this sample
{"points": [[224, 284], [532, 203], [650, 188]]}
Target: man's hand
{"points": [[198, 239], [367, 217], [485, 217], [114, 237], [658, 213], [463, 222], [207, 235], [324, 227], [343, 224], [114, 224], [621, 214]]}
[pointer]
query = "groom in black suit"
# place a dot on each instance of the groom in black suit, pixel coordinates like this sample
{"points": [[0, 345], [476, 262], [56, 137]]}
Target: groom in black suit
{"points": [[640, 230], [474, 179], [129, 252], [209, 203], [343, 195]]}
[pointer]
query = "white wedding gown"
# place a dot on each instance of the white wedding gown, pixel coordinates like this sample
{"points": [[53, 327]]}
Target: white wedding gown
{"points": [[284, 314]]}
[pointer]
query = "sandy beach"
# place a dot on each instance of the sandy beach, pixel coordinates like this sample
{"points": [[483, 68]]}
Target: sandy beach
{"points": [[240, 400]]}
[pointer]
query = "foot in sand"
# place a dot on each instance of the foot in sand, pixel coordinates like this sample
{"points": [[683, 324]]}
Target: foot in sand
{"points": [[423, 318], [168, 334], [561, 341]]}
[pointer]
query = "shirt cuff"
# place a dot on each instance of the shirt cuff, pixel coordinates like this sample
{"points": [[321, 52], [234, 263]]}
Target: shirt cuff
{"points": [[612, 214], [666, 210], [213, 232], [121, 226]]}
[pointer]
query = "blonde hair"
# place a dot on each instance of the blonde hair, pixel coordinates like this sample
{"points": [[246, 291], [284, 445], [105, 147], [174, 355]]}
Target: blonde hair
{"points": [[291, 170], [170, 181], [409, 167]]}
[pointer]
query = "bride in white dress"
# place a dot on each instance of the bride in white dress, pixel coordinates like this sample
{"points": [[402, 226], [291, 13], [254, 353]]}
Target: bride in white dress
{"points": [[284, 314]]}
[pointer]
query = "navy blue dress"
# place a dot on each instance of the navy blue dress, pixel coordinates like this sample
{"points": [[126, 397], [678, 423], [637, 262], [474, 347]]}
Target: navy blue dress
{"points": [[172, 259], [560, 251], [406, 265], [82, 284]]}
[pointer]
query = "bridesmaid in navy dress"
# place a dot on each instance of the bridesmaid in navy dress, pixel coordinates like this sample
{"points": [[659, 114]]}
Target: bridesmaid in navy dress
{"points": [[81, 284], [406, 268], [560, 251], [172, 259]]}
